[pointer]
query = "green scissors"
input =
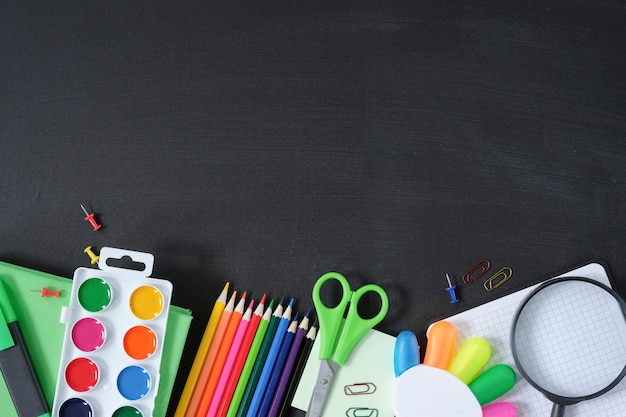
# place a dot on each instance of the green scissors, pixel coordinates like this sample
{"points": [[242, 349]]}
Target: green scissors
{"points": [[333, 352]]}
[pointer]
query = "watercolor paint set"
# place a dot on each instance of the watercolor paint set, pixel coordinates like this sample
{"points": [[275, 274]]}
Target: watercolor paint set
{"points": [[113, 343]]}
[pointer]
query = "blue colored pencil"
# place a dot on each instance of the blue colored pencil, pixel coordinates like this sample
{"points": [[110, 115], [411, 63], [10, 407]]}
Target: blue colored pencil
{"points": [[294, 381], [259, 361], [272, 383], [288, 368], [269, 362]]}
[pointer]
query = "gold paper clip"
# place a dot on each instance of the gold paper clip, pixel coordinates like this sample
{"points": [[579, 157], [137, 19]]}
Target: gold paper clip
{"points": [[504, 274], [361, 412], [360, 388], [483, 265]]}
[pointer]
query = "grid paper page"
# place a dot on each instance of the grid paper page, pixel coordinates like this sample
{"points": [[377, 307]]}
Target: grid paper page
{"points": [[492, 321]]}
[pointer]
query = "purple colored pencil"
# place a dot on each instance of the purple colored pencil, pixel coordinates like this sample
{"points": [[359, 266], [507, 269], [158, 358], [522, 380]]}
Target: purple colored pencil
{"points": [[272, 383], [285, 376], [303, 357]]}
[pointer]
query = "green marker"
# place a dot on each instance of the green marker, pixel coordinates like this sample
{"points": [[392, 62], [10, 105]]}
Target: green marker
{"points": [[253, 368], [16, 366]]}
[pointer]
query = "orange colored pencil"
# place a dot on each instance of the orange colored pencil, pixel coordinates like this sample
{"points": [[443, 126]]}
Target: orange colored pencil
{"points": [[220, 359], [203, 349], [210, 357], [233, 379]]}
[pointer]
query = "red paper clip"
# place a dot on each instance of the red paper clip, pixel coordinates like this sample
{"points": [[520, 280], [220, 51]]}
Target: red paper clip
{"points": [[360, 388], [483, 265]]}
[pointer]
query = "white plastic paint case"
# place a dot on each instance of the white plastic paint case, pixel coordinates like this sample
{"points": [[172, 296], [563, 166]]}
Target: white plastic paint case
{"points": [[113, 342]]}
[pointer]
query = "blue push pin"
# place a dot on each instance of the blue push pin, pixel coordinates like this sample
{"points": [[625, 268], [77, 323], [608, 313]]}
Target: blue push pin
{"points": [[450, 290]]}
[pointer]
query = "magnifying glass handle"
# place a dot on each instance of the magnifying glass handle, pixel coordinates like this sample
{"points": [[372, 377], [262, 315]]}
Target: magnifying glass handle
{"points": [[558, 410]]}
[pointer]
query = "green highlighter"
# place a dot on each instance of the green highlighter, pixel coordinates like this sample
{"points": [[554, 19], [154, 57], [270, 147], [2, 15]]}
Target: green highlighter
{"points": [[16, 366]]}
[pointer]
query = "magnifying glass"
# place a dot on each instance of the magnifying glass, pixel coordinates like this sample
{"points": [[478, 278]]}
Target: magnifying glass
{"points": [[569, 340]]}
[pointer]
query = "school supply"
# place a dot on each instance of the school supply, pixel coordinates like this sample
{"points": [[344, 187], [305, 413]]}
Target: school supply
{"points": [[451, 291], [286, 373], [277, 369], [16, 366], [303, 357], [249, 361], [220, 359], [366, 380], [116, 323], [569, 340], [44, 333], [203, 349], [211, 356], [254, 368], [446, 385], [91, 219], [337, 341], [234, 364], [270, 361], [493, 321], [244, 357]]}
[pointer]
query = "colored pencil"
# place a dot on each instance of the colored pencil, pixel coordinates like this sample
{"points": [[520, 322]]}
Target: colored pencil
{"points": [[233, 378], [277, 369], [220, 359], [303, 358], [255, 371], [230, 361], [270, 362], [210, 357], [203, 349], [285, 375], [249, 362]]}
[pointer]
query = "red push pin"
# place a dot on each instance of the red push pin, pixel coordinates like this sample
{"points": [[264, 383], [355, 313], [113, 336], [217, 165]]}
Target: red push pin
{"points": [[47, 293], [91, 219]]}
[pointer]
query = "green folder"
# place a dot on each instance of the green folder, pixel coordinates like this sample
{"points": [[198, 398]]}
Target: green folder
{"points": [[43, 332]]}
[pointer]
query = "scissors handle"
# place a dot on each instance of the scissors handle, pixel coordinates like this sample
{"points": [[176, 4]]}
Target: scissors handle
{"points": [[330, 318], [355, 327]]}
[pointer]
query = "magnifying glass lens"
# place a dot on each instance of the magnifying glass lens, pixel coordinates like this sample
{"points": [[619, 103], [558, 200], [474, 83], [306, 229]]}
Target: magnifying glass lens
{"points": [[569, 339]]}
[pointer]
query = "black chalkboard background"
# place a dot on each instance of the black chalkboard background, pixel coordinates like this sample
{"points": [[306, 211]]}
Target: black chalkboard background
{"points": [[266, 143]]}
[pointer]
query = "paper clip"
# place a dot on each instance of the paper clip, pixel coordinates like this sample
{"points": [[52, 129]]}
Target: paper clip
{"points": [[483, 265], [361, 412], [360, 388], [505, 273]]}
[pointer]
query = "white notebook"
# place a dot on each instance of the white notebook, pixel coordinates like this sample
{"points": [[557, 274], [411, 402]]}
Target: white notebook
{"points": [[492, 321]]}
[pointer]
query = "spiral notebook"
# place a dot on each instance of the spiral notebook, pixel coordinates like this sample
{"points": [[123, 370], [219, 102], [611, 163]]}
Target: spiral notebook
{"points": [[492, 321]]}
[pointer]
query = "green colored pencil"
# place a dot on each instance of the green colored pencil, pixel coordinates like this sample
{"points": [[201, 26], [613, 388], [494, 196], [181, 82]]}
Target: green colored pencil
{"points": [[251, 358], [254, 368]]}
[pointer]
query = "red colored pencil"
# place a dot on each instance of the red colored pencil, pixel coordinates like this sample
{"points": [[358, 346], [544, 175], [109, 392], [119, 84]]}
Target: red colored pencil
{"points": [[241, 359]]}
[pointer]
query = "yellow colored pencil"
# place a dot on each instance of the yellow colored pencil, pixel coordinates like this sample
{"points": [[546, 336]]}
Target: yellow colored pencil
{"points": [[220, 359], [210, 357], [203, 349]]}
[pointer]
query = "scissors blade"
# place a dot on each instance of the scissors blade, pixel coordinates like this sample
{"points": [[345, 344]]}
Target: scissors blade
{"points": [[324, 380]]}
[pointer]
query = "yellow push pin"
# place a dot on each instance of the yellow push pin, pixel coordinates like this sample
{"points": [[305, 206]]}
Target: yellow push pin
{"points": [[94, 258]]}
